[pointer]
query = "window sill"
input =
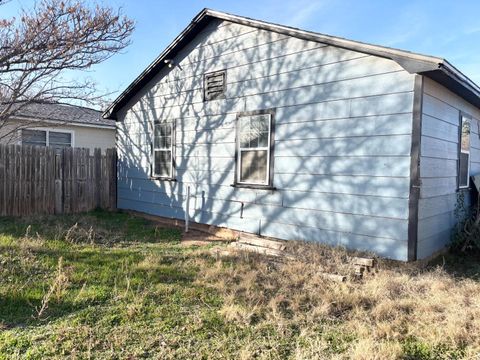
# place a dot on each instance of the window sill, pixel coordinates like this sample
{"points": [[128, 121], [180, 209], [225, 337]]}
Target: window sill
{"points": [[254, 186], [162, 178]]}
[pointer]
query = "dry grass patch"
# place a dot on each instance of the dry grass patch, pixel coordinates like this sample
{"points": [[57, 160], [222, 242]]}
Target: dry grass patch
{"points": [[401, 311]]}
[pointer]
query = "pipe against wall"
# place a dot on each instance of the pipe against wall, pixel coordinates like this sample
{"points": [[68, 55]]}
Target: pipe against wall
{"points": [[187, 209]]}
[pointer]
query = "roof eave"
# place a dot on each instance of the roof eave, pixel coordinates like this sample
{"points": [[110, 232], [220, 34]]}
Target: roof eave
{"points": [[109, 113], [63, 122], [455, 81], [412, 62]]}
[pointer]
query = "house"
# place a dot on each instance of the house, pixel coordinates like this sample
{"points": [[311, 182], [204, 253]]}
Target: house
{"points": [[300, 136], [58, 125]]}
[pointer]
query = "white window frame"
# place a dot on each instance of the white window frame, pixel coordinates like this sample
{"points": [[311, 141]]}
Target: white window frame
{"points": [[268, 148], [464, 117], [48, 131], [171, 149]]}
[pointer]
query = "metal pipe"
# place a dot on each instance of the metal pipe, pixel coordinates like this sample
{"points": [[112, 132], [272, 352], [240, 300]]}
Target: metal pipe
{"points": [[187, 209]]}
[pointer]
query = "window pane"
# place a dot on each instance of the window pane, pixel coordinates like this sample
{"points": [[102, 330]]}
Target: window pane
{"points": [[253, 166], [157, 136], [260, 122], [162, 164], [254, 131], [463, 171], [244, 128], [245, 140], [59, 139], [253, 140], [465, 134], [263, 139], [34, 137], [167, 130], [162, 136], [160, 142]]}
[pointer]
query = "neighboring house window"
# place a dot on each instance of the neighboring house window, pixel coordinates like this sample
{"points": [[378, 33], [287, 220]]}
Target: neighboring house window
{"points": [[59, 139], [51, 138], [214, 85], [464, 156], [34, 137], [254, 144], [163, 149]]}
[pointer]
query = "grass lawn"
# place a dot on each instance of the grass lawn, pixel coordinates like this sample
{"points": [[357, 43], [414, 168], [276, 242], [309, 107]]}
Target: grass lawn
{"points": [[113, 286]]}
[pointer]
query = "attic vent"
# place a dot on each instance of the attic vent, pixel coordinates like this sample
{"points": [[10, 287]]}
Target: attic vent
{"points": [[214, 85]]}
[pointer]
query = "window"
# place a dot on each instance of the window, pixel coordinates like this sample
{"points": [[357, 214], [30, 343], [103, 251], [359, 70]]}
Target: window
{"points": [[46, 137], [464, 155], [254, 139], [59, 139], [34, 137], [163, 150], [214, 85]]}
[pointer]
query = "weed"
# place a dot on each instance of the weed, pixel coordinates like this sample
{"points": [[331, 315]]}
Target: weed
{"points": [[56, 290]]}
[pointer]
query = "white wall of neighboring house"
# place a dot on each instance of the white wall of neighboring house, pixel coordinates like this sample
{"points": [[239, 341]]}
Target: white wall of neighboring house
{"points": [[90, 137]]}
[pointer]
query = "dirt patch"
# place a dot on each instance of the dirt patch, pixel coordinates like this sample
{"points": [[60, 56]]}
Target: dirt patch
{"points": [[200, 238]]}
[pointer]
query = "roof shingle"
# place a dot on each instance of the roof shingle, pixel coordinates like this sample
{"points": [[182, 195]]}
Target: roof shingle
{"points": [[64, 113]]}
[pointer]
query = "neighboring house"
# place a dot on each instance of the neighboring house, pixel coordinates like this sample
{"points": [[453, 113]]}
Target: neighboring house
{"points": [[58, 125], [300, 136]]}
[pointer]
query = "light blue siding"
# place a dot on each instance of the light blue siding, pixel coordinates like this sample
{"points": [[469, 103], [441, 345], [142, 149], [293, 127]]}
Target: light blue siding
{"points": [[438, 165], [343, 127]]}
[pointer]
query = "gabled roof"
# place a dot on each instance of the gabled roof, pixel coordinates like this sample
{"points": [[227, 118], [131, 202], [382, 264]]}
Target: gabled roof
{"points": [[436, 68], [65, 114]]}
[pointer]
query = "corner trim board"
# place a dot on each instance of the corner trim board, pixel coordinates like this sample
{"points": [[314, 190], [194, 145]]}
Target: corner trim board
{"points": [[415, 182]]}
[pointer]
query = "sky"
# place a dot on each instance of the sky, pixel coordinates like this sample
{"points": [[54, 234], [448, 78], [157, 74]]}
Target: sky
{"points": [[448, 29]]}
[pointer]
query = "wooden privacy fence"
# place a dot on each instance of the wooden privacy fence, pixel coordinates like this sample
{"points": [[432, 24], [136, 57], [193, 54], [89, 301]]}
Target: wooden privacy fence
{"points": [[42, 180]]}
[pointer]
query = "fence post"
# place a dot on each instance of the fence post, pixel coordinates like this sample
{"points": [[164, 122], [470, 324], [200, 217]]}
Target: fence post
{"points": [[97, 165], [58, 182], [59, 154], [111, 171]]}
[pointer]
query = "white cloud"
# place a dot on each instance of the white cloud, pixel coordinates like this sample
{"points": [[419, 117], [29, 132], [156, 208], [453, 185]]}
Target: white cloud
{"points": [[299, 13], [306, 13]]}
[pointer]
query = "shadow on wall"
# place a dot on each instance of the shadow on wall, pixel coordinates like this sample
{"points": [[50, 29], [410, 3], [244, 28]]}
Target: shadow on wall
{"points": [[342, 140]]}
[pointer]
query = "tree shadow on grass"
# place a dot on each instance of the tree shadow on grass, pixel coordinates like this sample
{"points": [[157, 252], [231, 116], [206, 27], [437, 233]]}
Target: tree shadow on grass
{"points": [[95, 227], [459, 265], [95, 277]]}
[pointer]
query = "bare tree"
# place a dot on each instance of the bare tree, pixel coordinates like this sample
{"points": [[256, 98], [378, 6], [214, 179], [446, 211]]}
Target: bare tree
{"points": [[40, 49]]}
